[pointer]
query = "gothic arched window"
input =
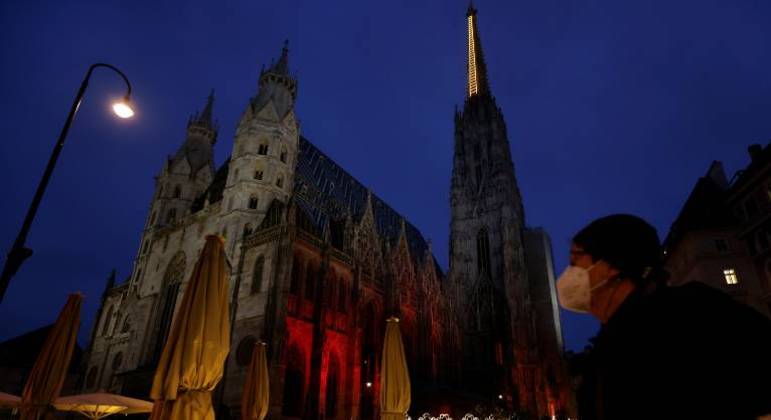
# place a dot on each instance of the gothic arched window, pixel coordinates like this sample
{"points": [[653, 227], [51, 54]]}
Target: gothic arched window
{"points": [[172, 279], [483, 252], [91, 377], [329, 290], [126, 325], [369, 358], [294, 285], [244, 350], [263, 149], [253, 201], [259, 267], [333, 380], [342, 299], [117, 361], [283, 155], [177, 191], [106, 320], [310, 281], [171, 216], [294, 382], [280, 181]]}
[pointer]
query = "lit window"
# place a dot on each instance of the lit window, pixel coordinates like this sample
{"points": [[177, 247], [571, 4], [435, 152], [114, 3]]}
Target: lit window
{"points": [[730, 276]]}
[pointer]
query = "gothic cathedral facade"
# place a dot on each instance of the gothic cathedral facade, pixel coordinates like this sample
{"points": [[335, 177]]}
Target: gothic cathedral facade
{"points": [[319, 262]]}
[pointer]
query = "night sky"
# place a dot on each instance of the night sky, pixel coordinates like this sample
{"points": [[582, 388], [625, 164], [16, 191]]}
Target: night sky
{"points": [[611, 106]]}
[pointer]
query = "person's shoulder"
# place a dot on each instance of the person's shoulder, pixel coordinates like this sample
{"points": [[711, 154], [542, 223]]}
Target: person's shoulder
{"points": [[692, 293], [701, 300]]}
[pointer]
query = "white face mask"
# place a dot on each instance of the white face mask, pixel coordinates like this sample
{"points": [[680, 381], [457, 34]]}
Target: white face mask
{"points": [[574, 289]]}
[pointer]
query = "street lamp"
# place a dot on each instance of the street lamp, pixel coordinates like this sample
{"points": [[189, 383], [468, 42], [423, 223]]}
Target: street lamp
{"points": [[19, 253]]}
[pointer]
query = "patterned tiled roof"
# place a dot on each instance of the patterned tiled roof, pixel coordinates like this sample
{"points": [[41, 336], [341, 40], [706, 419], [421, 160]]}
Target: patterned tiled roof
{"points": [[326, 192]]}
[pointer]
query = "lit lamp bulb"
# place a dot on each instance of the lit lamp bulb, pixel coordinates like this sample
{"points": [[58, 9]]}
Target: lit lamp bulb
{"points": [[123, 108], [369, 384]]}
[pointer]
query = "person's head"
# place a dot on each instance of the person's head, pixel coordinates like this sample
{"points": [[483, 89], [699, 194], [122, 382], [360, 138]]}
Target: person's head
{"points": [[618, 246], [610, 250]]}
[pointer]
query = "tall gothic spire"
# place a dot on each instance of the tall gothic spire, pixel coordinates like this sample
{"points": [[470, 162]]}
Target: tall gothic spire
{"points": [[201, 135], [282, 66], [277, 84], [206, 115], [477, 70], [204, 119]]}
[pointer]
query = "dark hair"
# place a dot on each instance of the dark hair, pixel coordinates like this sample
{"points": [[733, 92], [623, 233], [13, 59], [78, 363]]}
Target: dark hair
{"points": [[626, 242]]}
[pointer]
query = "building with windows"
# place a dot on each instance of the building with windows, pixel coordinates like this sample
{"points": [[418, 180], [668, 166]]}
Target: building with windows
{"points": [[708, 242], [750, 201], [319, 262]]}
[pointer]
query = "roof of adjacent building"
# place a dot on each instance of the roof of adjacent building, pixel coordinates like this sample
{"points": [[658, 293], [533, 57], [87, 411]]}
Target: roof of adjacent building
{"points": [[705, 207], [760, 159], [22, 351]]}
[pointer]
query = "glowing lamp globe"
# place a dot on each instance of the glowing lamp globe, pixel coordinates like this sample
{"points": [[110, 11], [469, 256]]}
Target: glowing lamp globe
{"points": [[122, 109]]}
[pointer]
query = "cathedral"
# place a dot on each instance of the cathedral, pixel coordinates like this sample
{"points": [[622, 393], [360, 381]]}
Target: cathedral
{"points": [[319, 262]]}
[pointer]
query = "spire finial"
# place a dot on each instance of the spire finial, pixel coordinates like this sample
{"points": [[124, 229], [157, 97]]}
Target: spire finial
{"points": [[477, 71], [110, 280], [282, 65], [206, 115]]}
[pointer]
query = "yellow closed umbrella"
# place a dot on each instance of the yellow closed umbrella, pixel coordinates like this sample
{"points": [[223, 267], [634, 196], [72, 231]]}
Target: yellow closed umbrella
{"points": [[193, 357], [256, 398], [46, 378], [395, 386]]}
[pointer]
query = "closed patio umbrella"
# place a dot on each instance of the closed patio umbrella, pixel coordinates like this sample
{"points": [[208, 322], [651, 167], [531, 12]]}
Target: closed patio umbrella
{"points": [[255, 401], [395, 389], [47, 376], [101, 404], [193, 357]]}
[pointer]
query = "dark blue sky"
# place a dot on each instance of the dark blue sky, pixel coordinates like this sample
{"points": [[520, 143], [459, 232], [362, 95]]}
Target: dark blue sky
{"points": [[611, 107]]}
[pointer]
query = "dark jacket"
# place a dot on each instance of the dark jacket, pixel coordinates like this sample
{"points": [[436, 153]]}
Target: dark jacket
{"points": [[688, 352]]}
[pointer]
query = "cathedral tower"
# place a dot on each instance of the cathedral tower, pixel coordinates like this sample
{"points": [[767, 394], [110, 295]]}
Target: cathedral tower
{"points": [[487, 269], [183, 177], [261, 167], [187, 173]]}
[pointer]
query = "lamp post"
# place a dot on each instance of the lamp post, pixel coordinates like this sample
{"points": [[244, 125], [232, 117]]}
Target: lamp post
{"points": [[19, 253]]}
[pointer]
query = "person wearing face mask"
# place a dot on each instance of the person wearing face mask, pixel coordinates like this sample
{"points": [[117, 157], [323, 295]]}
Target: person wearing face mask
{"points": [[687, 352]]}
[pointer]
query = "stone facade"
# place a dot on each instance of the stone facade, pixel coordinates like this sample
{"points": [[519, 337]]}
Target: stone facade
{"points": [[319, 262]]}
